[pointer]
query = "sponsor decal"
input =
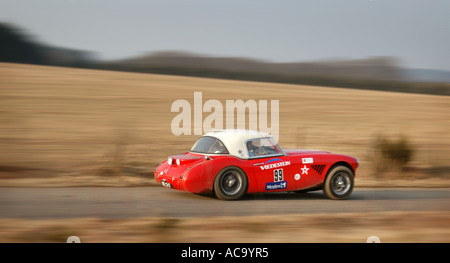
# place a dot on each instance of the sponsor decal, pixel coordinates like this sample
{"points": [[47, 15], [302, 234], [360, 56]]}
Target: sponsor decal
{"points": [[297, 177], [307, 160], [274, 165], [304, 170], [273, 160], [276, 185]]}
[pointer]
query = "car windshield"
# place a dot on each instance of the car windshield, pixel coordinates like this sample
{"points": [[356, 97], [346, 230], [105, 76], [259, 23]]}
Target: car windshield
{"points": [[263, 147], [209, 145]]}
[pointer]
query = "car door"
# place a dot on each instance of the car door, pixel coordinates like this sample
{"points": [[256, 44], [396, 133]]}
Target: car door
{"points": [[273, 173]]}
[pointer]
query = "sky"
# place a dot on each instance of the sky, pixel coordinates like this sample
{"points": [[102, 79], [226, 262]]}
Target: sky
{"points": [[415, 31]]}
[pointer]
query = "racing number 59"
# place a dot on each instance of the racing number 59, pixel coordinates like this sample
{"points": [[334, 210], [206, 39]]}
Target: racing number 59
{"points": [[278, 175]]}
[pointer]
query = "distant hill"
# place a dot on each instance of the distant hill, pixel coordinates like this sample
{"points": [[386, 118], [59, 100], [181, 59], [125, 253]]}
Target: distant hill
{"points": [[16, 46], [377, 73], [427, 75], [379, 68]]}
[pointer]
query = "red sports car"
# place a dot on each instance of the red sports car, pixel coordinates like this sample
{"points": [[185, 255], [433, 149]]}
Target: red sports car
{"points": [[231, 163]]}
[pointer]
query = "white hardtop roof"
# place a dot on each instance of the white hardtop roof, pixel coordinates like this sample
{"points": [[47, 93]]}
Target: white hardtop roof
{"points": [[235, 140]]}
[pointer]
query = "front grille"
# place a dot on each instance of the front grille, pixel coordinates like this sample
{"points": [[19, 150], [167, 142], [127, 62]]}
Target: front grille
{"points": [[318, 168]]}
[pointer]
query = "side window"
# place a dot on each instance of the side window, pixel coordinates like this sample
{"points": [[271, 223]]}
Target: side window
{"points": [[218, 147], [262, 147], [209, 145]]}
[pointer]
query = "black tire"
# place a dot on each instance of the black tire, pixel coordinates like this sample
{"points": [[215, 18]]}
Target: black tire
{"points": [[231, 183], [339, 183]]}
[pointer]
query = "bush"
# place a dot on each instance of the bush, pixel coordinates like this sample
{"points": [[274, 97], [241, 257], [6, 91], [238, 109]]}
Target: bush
{"points": [[397, 152]]}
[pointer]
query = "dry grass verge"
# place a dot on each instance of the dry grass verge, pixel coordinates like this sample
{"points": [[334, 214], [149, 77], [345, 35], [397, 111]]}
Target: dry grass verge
{"points": [[348, 227], [61, 123]]}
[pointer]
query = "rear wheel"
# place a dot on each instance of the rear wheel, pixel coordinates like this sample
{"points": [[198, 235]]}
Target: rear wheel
{"points": [[230, 184], [339, 183]]}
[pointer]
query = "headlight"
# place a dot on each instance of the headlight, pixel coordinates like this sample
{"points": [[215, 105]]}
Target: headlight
{"points": [[170, 161], [178, 161]]}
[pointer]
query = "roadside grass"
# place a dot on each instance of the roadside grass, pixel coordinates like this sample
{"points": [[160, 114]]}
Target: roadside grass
{"points": [[346, 227], [69, 127]]}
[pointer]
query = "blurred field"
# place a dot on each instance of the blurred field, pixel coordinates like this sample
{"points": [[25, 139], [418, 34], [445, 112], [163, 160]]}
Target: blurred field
{"points": [[404, 227], [93, 127]]}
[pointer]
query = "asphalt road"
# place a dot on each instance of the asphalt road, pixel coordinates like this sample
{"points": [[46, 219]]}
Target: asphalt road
{"points": [[131, 202]]}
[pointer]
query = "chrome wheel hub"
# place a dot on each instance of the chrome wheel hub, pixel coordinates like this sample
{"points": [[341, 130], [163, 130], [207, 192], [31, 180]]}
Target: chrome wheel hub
{"points": [[231, 183], [341, 183]]}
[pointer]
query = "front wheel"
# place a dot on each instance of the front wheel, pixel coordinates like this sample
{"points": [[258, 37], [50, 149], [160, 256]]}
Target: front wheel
{"points": [[339, 183], [230, 184]]}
